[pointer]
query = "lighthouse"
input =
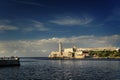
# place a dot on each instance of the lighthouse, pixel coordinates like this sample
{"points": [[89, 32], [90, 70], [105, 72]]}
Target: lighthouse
{"points": [[60, 48]]}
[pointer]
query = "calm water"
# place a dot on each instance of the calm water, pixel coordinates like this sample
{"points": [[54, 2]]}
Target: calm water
{"points": [[36, 69]]}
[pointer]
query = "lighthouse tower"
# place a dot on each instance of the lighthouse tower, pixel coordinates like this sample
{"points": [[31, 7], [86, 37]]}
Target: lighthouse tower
{"points": [[60, 48]]}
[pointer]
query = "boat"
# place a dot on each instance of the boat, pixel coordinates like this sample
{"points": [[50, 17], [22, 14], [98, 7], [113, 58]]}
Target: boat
{"points": [[9, 61]]}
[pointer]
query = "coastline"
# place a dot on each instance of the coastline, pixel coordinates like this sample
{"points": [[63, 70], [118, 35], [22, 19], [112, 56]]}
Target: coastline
{"points": [[91, 59], [47, 58]]}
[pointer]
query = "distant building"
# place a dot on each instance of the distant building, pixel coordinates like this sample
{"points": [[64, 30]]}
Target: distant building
{"points": [[78, 52], [68, 53]]}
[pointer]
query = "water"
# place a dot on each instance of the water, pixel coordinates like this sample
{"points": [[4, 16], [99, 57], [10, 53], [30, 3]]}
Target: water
{"points": [[37, 69]]}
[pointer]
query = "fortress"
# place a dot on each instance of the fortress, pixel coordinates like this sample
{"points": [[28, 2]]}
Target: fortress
{"points": [[68, 53], [76, 52]]}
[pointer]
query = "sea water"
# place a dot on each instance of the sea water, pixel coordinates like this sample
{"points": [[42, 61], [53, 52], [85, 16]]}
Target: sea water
{"points": [[45, 69]]}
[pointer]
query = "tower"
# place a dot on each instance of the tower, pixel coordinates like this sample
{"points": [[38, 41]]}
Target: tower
{"points": [[60, 48]]}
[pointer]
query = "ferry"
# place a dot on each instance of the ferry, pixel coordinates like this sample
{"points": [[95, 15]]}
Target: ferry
{"points": [[9, 61]]}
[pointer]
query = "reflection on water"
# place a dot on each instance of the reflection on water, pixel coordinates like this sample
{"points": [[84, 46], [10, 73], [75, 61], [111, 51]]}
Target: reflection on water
{"points": [[36, 69]]}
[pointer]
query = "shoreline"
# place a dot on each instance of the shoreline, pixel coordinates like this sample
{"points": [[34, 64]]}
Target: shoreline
{"points": [[47, 58], [89, 59]]}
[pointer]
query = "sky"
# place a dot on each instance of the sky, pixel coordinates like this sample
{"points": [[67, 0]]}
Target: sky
{"points": [[33, 28]]}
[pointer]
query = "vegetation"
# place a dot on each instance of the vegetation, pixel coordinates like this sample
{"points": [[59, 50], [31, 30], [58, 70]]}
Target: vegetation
{"points": [[105, 53]]}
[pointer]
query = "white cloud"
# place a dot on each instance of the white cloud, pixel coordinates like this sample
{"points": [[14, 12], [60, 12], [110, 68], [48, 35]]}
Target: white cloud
{"points": [[70, 21], [30, 25], [43, 47], [40, 26], [35, 25], [7, 27]]}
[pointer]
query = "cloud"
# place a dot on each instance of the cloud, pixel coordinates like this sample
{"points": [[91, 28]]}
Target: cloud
{"points": [[35, 26], [43, 47], [40, 26], [30, 3], [70, 21], [28, 29], [5, 21], [7, 27], [25, 25]]}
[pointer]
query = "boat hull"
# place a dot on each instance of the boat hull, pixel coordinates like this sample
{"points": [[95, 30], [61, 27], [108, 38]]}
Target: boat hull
{"points": [[6, 63]]}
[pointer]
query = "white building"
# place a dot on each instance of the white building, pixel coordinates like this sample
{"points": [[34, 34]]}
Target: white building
{"points": [[77, 52], [68, 53]]}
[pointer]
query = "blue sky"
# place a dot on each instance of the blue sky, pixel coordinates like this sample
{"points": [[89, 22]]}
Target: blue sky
{"points": [[42, 23]]}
